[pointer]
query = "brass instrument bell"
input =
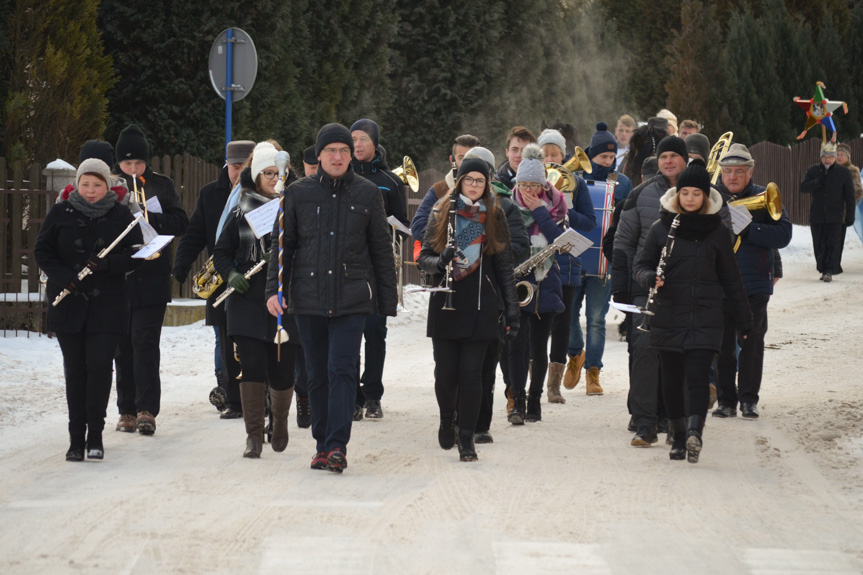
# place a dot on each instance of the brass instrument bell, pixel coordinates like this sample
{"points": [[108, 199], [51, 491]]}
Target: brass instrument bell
{"points": [[719, 149], [407, 173]]}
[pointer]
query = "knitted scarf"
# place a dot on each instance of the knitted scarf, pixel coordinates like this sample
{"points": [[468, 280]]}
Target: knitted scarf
{"points": [[469, 236], [96, 209], [556, 205], [252, 248]]}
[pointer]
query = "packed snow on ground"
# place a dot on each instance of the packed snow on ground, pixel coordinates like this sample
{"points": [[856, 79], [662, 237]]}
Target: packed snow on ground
{"points": [[565, 495]]}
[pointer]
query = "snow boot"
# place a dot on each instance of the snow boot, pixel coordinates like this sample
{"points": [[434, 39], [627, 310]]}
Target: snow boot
{"points": [[76, 445], [573, 370], [446, 431], [466, 448], [534, 410], [516, 414], [253, 395], [304, 412], [592, 385], [555, 373], [678, 439], [280, 407], [693, 438]]}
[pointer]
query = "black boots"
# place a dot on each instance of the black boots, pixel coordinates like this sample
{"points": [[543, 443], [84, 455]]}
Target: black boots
{"points": [[95, 449], [76, 448], [693, 438], [534, 411], [466, 449], [678, 438], [446, 431], [516, 414], [304, 412]]}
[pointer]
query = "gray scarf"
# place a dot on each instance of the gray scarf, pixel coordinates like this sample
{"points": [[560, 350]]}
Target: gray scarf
{"points": [[96, 209]]}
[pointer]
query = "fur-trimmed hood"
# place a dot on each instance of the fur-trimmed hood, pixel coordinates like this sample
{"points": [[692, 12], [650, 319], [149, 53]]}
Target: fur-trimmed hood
{"points": [[669, 201]]}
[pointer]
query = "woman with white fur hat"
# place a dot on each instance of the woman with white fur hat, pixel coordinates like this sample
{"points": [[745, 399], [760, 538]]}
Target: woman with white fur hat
{"points": [[91, 320], [250, 325]]}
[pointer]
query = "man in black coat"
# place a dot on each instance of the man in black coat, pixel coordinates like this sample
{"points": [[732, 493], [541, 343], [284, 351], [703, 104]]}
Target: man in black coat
{"points": [[832, 207], [202, 234], [338, 268], [369, 163], [139, 387]]}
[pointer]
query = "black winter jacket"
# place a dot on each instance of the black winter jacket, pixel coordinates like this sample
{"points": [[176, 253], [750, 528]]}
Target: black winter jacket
{"points": [[150, 284], [688, 306], [477, 297], [832, 194], [391, 187], [337, 248], [66, 240]]}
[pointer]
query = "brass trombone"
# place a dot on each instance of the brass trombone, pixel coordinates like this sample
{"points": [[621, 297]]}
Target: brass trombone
{"points": [[407, 173], [719, 149]]}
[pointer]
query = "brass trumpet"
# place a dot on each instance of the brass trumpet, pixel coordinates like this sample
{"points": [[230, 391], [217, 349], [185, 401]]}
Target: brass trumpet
{"points": [[719, 149], [769, 200], [140, 198], [407, 173]]}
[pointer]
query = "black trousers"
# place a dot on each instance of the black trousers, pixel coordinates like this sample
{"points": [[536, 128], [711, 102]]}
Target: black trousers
{"points": [[260, 363], [489, 373], [827, 244], [230, 369], [540, 328], [644, 388], [458, 378], [371, 384], [517, 355], [139, 385], [685, 381], [301, 378], [560, 327], [87, 363], [748, 367]]}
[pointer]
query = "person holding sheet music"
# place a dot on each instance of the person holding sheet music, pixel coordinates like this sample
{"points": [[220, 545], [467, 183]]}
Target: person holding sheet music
{"points": [[244, 242], [139, 386], [91, 319]]}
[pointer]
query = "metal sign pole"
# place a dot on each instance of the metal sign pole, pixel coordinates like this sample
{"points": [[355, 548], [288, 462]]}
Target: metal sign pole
{"points": [[229, 81]]}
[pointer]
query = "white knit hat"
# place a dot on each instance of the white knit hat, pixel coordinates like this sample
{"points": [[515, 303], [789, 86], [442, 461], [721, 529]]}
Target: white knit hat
{"points": [[482, 154], [263, 157], [94, 166]]}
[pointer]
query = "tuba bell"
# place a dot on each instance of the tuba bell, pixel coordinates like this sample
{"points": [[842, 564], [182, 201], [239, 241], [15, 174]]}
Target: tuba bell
{"points": [[560, 177], [769, 200], [407, 173], [579, 162]]}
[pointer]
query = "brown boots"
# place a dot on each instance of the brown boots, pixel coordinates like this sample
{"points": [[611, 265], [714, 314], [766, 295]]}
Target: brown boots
{"points": [[593, 387], [555, 373], [280, 404], [253, 395], [573, 370]]}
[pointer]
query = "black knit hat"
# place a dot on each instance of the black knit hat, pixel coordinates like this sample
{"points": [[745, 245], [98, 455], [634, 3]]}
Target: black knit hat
{"points": [[474, 165], [695, 176], [97, 149], [331, 134], [602, 141], [309, 156], [132, 145], [370, 128], [672, 144]]}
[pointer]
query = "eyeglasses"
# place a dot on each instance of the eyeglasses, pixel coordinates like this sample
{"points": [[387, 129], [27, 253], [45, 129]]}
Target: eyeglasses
{"points": [[479, 182], [531, 187], [337, 151], [270, 175]]}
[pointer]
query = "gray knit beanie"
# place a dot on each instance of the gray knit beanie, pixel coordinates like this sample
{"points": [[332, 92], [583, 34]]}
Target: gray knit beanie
{"points": [[531, 168], [94, 166], [550, 136]]}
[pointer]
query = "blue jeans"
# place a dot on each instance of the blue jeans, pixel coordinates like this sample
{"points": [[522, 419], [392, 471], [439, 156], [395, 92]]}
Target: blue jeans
{"points": [[217, 356], [597, 296], [332, 350]]}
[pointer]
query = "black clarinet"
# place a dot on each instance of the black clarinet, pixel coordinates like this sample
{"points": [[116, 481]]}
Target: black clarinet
{"points": [[448, 305], [660, 273]]}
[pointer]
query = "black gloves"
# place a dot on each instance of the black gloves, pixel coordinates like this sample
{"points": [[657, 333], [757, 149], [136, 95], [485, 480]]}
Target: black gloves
{"points": [[180, 274], [446, 256], [98, 265], [512, 325], [238, 282]]}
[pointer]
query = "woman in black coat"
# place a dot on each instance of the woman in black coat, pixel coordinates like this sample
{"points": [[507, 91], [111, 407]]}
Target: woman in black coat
{"points": [[249, 323], [482, 267], [91, 319], [687, 327]]}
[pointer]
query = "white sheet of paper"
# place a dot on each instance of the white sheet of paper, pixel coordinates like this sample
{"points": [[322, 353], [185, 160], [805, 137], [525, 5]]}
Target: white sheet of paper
{"points": [[156, 245], [627, 307], [398, 225], [418, 289], [572, 242], [740, 218], [154, 206], [567, 198], [262, 219]]}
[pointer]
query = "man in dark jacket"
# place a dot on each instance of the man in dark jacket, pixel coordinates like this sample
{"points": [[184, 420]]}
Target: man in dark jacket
{"points": [[832, 207], [339, 268], [516, 140], [139, 387], [755, 258], [202, 234], [370, 163]]}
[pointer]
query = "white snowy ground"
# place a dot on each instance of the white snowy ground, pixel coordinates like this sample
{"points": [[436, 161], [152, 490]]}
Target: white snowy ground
{"points": [[566, 495]]}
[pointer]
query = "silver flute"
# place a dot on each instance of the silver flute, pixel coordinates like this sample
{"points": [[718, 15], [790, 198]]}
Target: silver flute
{"points": [[247, 275]]}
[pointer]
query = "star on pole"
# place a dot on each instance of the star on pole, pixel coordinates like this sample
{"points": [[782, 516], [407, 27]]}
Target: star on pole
{"points": [[819, 110]]}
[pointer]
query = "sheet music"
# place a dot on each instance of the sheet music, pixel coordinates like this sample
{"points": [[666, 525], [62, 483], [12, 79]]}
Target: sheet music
{"points": [[740, 218], [625, 307], [156, 245], [154, 206], [572, 242], [262, 219]]}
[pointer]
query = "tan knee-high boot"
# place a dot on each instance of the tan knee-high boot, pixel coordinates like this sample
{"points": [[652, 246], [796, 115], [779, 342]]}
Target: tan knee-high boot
{"points": [[253, 395], [555, 374], [280, 404]]}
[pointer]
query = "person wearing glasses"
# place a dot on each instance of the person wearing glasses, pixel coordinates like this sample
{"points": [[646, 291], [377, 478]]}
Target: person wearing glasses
{"points": [[544, 212], [337, 269], [475, 250], [238, 250]]}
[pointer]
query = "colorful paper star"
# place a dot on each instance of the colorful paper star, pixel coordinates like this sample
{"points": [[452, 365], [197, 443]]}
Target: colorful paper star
{"points": [[819, 110]]}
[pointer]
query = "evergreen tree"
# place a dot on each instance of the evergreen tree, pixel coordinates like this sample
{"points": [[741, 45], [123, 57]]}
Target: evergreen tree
{"points": [[58, 76]]}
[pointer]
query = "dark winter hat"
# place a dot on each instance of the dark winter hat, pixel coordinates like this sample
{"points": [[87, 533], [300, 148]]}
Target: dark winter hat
{"points": [[132, 145], [332, 134], [370, 128], [698, 144], [238, 151], [602, 141], [97, 149], [474, 165], [649, 168], [695, 176], [657, 122], [309, 156], [672, 144]]}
